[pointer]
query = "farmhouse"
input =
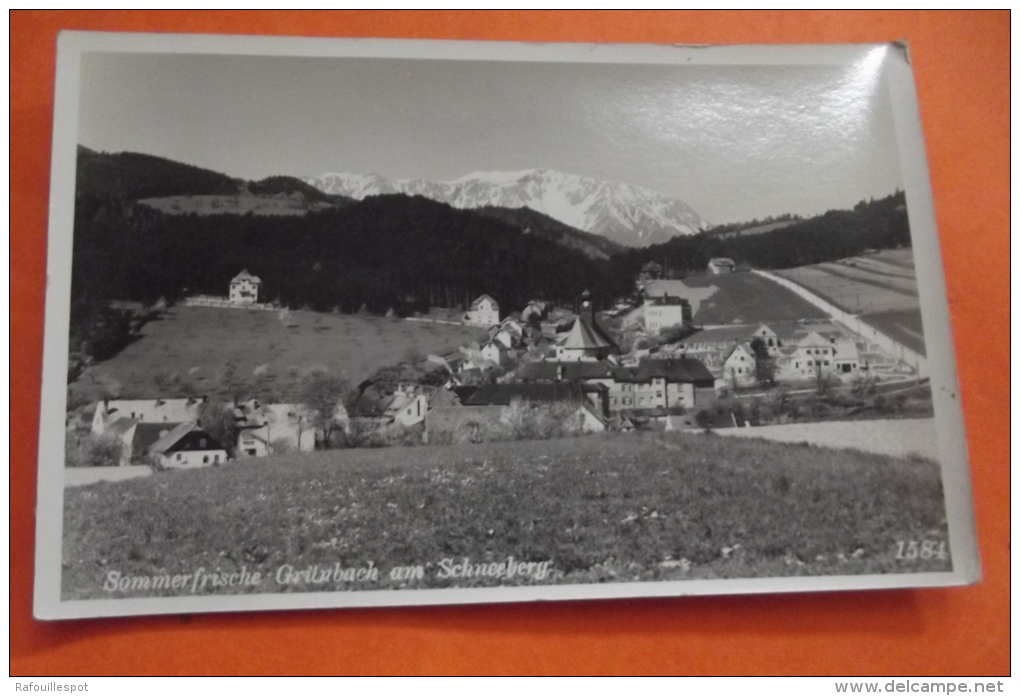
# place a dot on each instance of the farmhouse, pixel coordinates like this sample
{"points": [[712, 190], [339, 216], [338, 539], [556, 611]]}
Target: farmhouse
{"points": [[274, 428], [739, 364], [815, 353], [721, 265], [406, 405], [484, 311], [244, 288], [136, 437], [188, 447], [145, 411]]}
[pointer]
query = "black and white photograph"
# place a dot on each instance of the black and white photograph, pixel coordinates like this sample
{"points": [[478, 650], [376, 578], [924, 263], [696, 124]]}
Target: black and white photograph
{"points": [[351, 323]]}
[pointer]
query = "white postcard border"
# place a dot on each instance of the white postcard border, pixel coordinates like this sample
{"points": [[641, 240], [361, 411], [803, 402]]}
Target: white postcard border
{"points": [[930, 278]]}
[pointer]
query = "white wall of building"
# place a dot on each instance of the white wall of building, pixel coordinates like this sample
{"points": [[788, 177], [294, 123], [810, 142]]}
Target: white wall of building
{"points": [[195, 459]]}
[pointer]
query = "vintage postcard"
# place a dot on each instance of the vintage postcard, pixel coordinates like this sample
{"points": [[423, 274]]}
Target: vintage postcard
{"points": [[341, 323]]}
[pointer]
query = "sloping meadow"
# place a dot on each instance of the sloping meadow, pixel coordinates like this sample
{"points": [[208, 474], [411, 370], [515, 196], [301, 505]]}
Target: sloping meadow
{"points": [[607, 508]]}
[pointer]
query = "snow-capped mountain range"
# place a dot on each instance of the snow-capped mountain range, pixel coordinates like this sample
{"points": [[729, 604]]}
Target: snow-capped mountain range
{"points": [[629, 215]]}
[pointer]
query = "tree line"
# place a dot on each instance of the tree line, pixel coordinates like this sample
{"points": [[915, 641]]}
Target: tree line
{"points": [[381, 253], [836, 234]]}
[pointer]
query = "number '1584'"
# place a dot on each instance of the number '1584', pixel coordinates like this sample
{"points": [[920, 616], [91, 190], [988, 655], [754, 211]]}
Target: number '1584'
{"points": [[925, 550]]}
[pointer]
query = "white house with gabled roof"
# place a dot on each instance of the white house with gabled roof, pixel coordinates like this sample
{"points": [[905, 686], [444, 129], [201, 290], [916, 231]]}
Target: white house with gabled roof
{"points": [[187, 446], [739, 363], [484, 311], [244, 288]]}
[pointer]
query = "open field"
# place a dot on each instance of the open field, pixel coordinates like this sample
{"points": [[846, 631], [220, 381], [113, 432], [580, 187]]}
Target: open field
{"points": [[87, 475], [195, 343], [899, 437], [880, 287], [747, 298], [878, 282], [607, 508], [903, 325], [902, 258]]}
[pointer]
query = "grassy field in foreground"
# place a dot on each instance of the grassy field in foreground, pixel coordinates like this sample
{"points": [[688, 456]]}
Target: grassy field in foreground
{"points": [[195, 343], [605, 508]]}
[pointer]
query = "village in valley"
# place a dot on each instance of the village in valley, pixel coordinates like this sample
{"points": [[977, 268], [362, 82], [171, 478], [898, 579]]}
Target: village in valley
{"points": [[535, 372]]}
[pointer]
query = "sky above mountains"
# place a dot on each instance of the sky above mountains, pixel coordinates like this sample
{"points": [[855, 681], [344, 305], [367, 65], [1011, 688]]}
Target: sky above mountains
{"points": [[734, 142]]}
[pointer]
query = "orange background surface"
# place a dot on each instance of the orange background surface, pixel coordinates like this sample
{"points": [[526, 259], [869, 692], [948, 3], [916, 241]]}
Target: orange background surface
{"points": [[961, 63]]}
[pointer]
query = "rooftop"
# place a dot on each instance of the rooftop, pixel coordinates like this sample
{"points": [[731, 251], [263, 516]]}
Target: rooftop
{"points": [[482, 298], [671, 369], [173, 437], [550, 371], [546, 392], [586, 334], [245, 275]]}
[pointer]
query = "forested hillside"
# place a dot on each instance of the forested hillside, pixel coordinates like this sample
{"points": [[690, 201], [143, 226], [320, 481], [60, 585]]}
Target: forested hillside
{"points": [[875, 224], [131, 176], [534, 222], [384, 252]]}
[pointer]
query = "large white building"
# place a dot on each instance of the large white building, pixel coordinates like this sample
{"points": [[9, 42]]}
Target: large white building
{"points": [[244, 288], [666, 311], [484, 312]]}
